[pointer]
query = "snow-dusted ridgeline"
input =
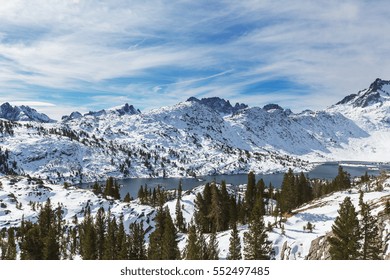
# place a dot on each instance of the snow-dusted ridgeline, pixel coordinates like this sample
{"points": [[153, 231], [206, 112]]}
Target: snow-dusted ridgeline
{"points": [[197, 137]]}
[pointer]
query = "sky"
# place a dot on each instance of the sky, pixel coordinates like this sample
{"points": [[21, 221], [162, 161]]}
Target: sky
{"points": [[60, 56]]}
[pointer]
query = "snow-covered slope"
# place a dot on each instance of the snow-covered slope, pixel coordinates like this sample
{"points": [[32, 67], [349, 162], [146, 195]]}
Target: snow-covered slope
{"points": [[19, 197], [370, 110]]}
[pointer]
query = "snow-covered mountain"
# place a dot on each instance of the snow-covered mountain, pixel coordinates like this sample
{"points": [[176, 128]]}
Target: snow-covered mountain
{"points": [[22, 113], [199, 137], [370, 110]]}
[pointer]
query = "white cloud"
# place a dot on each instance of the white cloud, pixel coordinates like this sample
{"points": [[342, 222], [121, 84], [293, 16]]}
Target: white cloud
{"points": [[171, 50]]}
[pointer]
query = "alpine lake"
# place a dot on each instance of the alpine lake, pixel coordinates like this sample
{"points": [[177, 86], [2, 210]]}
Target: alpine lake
{"points": [[326, 170]]}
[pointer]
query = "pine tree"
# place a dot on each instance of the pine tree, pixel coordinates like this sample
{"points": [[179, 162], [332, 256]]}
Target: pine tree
{"points": [[371, 238], [88, 237], [111, 239], [345, 244], [288, 194], [100, 228], [122, 248], [227, 213], [170, 249], [215, 211], [234, 244], [180, 222], [11, 245], [137, 249], [180, 189], [341, 181], [127, 198], [201, 213], [212, 247], [257, 246], [250, 194], [162, 242], [192, 250], [31, 246]]}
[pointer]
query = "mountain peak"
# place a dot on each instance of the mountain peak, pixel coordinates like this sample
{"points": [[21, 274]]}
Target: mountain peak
{"points": [[127, 110], [22, 113], [377, 93], [219, 104], [272, 106]]}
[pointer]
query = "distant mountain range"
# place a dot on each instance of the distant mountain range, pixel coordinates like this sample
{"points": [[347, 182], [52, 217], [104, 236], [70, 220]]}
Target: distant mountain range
{"points": [[195, 137]]}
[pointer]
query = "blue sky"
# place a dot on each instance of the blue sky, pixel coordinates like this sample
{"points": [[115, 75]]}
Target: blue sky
{"points": [[61, 56]]}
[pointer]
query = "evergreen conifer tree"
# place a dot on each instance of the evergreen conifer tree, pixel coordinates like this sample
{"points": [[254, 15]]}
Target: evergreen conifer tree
{"points": [[122, 248], [215, 211], [170, 249], [257, 246], [371, 248], [234, 244], [111, 239], [193, 249], [341, 181], [100, 228], [137, 249], [288, 194], [180, 223], [212, 247], [345, 244], [88, 237], [11, 245]]}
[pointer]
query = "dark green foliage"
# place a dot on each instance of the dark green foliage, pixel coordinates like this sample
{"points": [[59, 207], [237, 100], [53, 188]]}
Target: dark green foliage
{"points": [[10, 249], [193, 249], [341, 181], [88, 249], [234, 245], [170, 250], [42, 240], [155, 197], [162, 242], [295, 190], [112, 188], [180, 189], [31, 245], [110, 252], [257, 246], [180, 222], [345, 242], [216, 209], [127, 198], [100, 228], [365, 178], [288, 195], [212, 248], [122, 246], [371, 246], [137, 250]]}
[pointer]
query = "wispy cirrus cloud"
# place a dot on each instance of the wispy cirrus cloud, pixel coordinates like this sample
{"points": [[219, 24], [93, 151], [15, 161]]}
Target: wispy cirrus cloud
{"points": [[301, 54]]}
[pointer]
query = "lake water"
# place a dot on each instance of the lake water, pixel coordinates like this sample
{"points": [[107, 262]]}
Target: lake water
{"points": [[324, 171]]}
